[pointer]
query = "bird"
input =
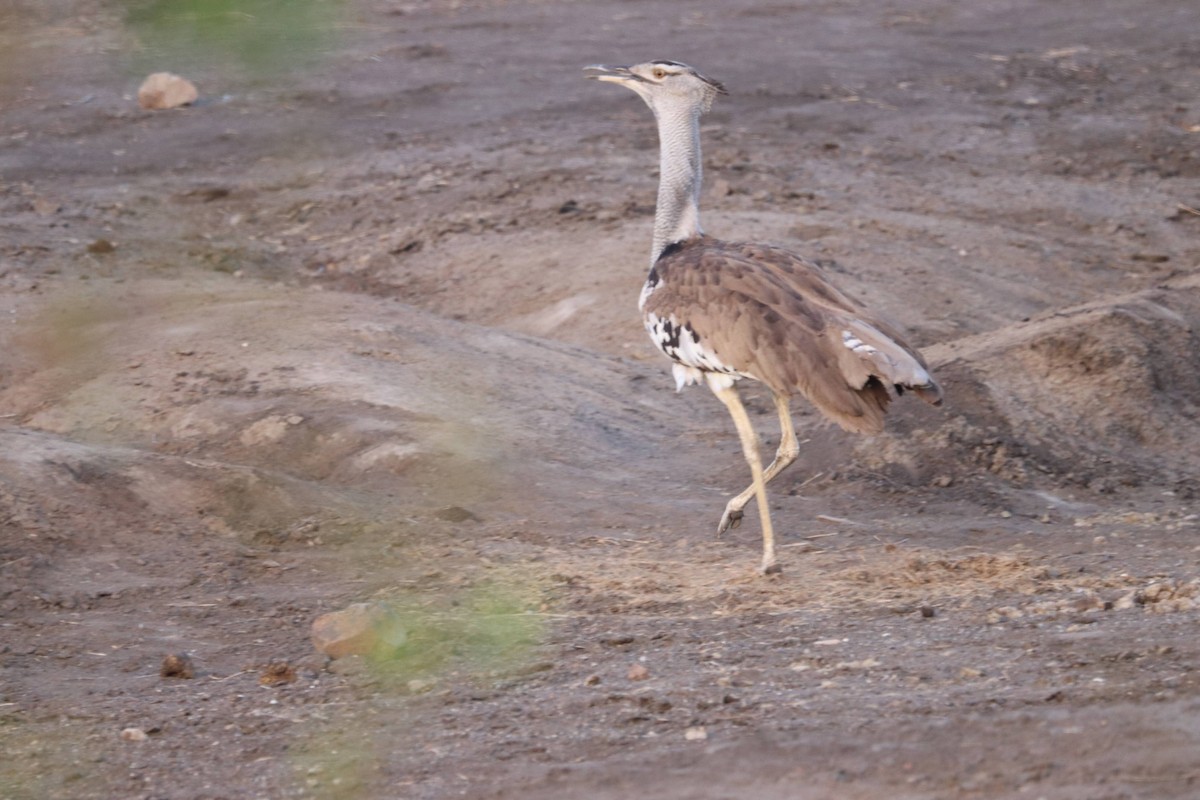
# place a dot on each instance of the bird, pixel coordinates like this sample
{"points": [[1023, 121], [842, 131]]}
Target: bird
{"points": [[726, 311]]}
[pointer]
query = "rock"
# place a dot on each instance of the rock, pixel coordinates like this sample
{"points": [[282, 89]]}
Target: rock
{"points": [[360, 629], [268, 430], [166, 90], [177, 665], [720, 188], [592, 680], [1086, 600], [455, 514], [134, 735], [638, 672], [1004, 614], [350, 666], [1126, 601], [421, 685], [697, 733], [1155, 592], [99, 247], [617, 641], [311, 666], [44, 207]]}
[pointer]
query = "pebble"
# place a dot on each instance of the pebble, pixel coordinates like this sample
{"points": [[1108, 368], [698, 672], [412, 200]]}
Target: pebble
{"points": [[358, 629], [455, 514], [638, 672], [350, 666], [134, 735], [44, 207], [421, 686], [1126, 601], [166, 90], [697, 733]]}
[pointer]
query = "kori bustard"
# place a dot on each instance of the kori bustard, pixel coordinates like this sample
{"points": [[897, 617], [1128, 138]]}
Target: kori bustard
{"points": [[723, 311]]}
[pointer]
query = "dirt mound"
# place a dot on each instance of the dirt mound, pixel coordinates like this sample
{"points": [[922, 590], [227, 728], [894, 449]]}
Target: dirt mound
{"points": [[1099, 395]]}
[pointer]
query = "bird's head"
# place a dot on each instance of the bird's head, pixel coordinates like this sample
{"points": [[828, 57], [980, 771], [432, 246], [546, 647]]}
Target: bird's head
{"points": [[664, 85]]}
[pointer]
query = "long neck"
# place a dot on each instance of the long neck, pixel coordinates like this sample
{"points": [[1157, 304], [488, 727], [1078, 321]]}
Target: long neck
{"points": [[677, 215]]}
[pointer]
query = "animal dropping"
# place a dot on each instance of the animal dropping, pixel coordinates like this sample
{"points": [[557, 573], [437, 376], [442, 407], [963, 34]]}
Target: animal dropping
{"points": [[728, 311]]}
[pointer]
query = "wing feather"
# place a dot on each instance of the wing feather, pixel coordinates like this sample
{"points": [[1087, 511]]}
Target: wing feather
{"points": [[775, 317]]}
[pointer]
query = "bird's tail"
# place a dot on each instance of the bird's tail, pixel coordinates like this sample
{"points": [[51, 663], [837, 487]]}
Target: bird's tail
{"points": [[870, 360]]}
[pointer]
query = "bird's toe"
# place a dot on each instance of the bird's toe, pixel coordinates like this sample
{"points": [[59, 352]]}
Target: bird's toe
{"points": [[771, 567], [730, 519]]}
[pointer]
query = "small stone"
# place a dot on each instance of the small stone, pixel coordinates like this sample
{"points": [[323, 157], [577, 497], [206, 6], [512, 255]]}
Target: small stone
{"points": [[177, 665], [99, 247], [455, 514], [420, 686], [1004, 614], [943, 481], [617, 641], [265, 431], [359, 629], [1086, 601], [592, 680], [928, 612], [134, 735], [312, 665], [720, 188], [349, 666], [166, 90], [697, 733], [1155, 592], [44, 207], [638, 672]]}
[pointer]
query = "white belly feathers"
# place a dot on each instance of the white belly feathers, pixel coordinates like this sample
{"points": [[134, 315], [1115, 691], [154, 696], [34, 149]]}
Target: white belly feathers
{"points": [[694, 361]]}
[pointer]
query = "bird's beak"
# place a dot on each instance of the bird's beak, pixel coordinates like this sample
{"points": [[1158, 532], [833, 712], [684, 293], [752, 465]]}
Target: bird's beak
{"points": [[604, 72]]}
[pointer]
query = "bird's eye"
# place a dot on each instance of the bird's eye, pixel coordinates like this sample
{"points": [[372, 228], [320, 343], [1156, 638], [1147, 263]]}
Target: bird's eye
{"points": [[659, 74]]}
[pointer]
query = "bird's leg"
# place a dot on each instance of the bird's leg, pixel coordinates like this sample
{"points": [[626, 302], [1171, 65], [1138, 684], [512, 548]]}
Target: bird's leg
{"points": [[729, 396], [789, 448]]}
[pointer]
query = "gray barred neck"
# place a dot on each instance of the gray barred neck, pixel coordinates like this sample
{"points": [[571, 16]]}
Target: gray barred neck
{"points": [[677, 213]]}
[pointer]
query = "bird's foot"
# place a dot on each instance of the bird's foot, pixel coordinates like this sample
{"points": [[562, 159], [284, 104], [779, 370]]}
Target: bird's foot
{"points": [[770, 567], [730, 519]]}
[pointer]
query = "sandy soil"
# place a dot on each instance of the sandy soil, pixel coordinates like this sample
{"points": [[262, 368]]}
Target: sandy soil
{"points": [[361, 326]]}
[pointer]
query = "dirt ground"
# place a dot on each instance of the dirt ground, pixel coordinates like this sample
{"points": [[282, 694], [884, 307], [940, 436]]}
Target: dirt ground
{"points": [[361, 326]]}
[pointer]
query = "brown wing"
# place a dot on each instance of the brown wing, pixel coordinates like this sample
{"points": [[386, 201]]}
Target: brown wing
{"points": [[772, 315]]}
